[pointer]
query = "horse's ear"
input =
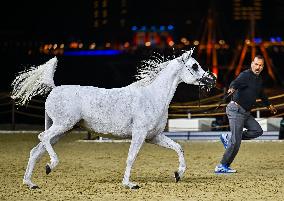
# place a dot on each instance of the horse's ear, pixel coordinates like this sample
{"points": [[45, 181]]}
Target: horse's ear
{"points": [[190, 52], [185, 56], [180, 60]]}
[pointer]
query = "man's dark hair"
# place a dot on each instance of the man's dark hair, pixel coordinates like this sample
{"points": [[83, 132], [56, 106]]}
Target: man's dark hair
{"points": [[259, 57]]}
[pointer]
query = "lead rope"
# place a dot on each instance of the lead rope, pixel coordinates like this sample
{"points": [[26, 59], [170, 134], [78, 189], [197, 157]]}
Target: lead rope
{"points": [[199, 94], [227, 95]]}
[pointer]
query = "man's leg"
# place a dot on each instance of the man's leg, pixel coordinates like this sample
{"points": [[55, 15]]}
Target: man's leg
{"points": [[254, 130], [236, 121]]}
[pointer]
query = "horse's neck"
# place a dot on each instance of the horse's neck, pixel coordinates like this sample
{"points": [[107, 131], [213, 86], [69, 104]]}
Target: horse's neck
{"points": [[165, 84]]}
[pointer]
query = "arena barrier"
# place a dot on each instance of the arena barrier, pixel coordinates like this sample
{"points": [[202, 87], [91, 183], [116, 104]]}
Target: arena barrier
{"points": [[36, 110], [206, 124], [214, 135], [185, 135], [195, 136]]}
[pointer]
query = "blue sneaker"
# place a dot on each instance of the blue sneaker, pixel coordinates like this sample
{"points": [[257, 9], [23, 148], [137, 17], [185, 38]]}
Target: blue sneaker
{"points": [[224, 169], [224, 139]]}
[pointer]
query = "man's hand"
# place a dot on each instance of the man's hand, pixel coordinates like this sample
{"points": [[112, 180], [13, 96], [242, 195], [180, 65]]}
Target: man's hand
{"points": [[272, 109], [231, 91]]}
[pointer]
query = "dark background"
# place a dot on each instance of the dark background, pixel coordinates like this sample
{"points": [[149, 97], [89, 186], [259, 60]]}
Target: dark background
{"points": [[26, 25]]}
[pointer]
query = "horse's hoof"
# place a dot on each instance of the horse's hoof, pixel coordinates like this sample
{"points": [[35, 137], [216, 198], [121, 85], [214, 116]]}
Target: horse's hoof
{"points": [[135, 187], [47, 169], [34, 187], [177, 177]]}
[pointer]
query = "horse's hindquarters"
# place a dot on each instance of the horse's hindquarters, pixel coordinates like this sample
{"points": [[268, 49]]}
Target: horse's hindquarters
{"points": [[63, 105]]}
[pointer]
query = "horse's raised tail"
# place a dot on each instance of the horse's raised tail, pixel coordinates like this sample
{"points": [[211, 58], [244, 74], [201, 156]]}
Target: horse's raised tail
{"points": [[34, 81]]}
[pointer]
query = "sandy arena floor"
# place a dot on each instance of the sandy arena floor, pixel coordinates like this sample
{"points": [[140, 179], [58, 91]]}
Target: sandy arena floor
{"points": [[93, 171]]}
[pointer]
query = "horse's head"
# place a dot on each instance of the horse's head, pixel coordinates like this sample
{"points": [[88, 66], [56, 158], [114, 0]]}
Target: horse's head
{"points": [[192, 73]]}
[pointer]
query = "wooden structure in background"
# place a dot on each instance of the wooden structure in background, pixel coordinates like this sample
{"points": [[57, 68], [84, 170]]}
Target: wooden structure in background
{"points": [[208, 42], [250, 43]]}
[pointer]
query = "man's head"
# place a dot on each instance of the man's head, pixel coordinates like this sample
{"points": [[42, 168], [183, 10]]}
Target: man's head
{"points": [[257, 64]]}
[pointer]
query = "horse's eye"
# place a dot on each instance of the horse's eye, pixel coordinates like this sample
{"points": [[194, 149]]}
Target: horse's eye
{"points": [[195, 67]]}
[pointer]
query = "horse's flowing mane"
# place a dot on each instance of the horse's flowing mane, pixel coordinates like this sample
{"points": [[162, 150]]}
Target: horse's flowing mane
{"points": [[150, 68]]}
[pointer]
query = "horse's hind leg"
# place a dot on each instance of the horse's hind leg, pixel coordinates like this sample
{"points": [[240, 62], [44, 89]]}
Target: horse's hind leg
{"points": [[35, 154], [53, 132], [166, 142]]}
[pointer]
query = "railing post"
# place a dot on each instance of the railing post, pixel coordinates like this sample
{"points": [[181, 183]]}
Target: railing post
{"points": [[88, 136], [257, 114], [13, 126]]}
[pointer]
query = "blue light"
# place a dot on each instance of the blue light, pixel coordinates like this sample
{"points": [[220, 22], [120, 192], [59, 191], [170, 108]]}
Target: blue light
{"points": [[134, 28], [272, 39], [143, 28], [162, 28], [170, 27], [278, 39], [92, 53], [257, 40]]}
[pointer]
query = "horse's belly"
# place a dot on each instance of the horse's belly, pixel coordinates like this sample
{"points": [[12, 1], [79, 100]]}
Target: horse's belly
{"points": [[122, 130], [108, 113]]}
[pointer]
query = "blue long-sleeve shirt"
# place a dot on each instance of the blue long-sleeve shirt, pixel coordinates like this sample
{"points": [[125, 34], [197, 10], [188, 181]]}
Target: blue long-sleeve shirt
{"points": [[248, 88]]}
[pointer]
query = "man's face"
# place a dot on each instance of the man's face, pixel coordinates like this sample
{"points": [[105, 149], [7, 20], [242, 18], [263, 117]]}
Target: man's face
{"points": [[257, 65]]}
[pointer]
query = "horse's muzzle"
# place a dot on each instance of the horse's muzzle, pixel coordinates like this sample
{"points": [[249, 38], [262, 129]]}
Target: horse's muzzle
{"points": [[209, 80]]}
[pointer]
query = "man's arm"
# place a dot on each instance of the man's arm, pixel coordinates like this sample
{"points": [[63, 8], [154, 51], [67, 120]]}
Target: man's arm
{"points": [[240, 82], [266, 102]]}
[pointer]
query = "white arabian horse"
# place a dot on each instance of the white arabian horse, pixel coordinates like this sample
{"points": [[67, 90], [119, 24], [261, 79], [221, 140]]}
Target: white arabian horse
{"points": [[138, 111]]}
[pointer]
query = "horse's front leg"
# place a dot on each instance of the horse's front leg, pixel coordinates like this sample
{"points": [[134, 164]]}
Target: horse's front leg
{"points": [[166, 142], [138, 137]]}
